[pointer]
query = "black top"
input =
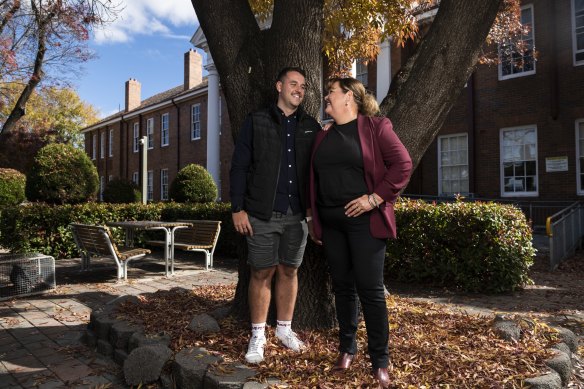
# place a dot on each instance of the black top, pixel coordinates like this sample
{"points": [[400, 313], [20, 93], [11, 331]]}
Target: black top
{"points": [[338, 166]]}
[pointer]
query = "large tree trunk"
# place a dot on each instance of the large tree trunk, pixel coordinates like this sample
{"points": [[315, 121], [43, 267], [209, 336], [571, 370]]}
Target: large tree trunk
{"points": [[248, 60]]}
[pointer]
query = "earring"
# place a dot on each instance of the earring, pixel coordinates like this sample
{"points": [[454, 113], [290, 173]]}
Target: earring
{"points": [[346, 103]]}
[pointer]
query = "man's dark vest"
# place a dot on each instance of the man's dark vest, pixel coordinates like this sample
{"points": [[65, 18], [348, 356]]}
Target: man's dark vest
{"points": [[262, 180]]}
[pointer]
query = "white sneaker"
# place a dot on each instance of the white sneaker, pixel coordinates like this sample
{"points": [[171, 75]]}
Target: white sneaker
{"points": [[291, 341], [255, 350]]}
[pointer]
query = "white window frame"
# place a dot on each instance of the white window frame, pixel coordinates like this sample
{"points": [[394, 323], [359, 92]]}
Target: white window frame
{"points": [[150, 186], [575, 49], [101, 187], [110, 143], [579, 154], [440, 178], [196, 121], [136, 138], [164, 133], [102, 145], [502, 161], [362, 72], [532, 32], [136, 178], [94, 147], [164, 184], [150, 132]]}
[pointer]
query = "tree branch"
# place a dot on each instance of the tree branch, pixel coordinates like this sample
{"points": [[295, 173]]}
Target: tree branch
{"points": [[428, 85]]}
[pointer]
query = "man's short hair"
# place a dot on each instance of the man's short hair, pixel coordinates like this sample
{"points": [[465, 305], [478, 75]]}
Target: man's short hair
{"points": [[288, 69]]}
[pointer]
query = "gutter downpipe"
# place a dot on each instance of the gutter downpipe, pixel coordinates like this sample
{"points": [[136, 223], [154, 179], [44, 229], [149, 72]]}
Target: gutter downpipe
{"points": [[178, 144]]}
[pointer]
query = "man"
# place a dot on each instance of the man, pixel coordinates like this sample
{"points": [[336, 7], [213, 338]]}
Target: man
{"points": [[269, 171]]}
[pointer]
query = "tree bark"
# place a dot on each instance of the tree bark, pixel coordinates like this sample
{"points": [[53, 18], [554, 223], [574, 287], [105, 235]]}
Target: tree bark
{"points": [[421, 95]]}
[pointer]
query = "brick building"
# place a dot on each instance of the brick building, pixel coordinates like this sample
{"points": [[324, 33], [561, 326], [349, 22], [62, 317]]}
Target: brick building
{"points": [[184, 125], [516, 133]]}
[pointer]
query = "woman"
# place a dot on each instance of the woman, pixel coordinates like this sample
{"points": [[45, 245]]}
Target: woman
{"points": [[358, 168]]}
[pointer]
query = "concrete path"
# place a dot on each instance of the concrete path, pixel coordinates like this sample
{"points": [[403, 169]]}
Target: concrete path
{"points": [[40, 335]]}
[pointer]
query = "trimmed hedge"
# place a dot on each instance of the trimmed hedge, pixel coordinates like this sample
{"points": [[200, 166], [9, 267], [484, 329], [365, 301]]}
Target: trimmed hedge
{"points": [[120, 191], [62, 174], [12, 183], [39, 227], [193, 184], [476, 247], [473, 246]]}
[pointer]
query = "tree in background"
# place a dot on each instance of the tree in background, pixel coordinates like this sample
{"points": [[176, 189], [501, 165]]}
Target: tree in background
{"points": [[420, 97], [54, 115], [43, 40]]}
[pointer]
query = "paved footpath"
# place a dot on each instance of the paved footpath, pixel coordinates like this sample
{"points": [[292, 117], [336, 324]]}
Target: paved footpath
{"points": [[40, 335]]}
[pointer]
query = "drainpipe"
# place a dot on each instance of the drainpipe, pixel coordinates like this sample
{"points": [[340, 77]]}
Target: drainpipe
{"points": [[178, 144], [471, 128]]}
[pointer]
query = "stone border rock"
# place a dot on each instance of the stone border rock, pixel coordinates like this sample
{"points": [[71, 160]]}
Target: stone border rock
{"points": [[560, 364], [143, 357]]}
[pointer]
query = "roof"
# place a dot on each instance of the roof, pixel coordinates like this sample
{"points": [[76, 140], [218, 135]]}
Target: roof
{"points": [[151, 101]]}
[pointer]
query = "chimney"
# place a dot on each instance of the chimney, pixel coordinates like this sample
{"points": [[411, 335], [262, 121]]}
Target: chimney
{"points": [[133, 89], [193, 69]]}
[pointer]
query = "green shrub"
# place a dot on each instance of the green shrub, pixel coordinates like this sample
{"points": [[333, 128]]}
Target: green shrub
{"points": [[12, 183], [62, 174], [193, 184], [476, 247], [44, 228], [120, 191]]}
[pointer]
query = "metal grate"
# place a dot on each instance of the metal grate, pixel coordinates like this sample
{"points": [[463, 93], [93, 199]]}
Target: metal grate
{"points": [[26, 274]]}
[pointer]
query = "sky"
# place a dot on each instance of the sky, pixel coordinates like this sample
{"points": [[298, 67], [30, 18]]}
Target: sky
{"points": [[147, 42]]}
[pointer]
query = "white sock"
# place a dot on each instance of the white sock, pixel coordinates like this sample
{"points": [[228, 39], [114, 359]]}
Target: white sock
{"points": [[284, 327], [258, 329]]}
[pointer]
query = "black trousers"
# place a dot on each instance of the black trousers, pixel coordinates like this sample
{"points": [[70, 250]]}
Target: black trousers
{"points": [[355, 259]]}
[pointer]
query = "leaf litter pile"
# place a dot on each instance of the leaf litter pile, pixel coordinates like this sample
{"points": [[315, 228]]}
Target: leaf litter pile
{"points": [[429, 345]]}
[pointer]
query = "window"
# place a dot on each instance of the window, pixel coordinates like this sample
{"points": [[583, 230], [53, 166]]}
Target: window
{"points": [[136, 178], [361, 73], [101, 187], [519, 161], [150, 132], [102, 145], [150, 186], [110, 145], [136, 138], [164, 130], [164, 184], [453, 164], [580, 155], [94, 147], [196, 122], [519, 61], [578, 31]]}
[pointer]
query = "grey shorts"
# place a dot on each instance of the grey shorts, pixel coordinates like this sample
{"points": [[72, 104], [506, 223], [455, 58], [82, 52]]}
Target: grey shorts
{"points": [[281, 240]]}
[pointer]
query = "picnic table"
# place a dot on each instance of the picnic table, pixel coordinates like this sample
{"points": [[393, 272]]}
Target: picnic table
{"points": [[131, 226]]}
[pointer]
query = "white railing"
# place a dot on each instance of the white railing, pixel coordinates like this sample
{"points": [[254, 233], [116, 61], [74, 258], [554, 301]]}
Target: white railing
{"points": [[565, 230]]}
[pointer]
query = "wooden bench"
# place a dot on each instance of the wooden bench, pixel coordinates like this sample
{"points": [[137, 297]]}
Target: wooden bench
{"points": [[97, 241], [201, 236]]}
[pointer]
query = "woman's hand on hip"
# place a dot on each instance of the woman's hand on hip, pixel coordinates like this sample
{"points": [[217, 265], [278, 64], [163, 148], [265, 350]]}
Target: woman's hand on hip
{"points": [[358, 206]]}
